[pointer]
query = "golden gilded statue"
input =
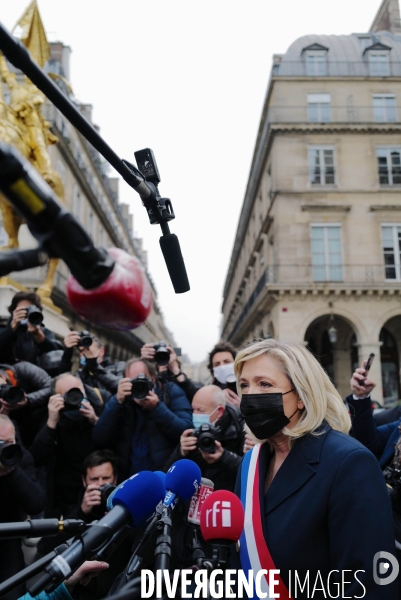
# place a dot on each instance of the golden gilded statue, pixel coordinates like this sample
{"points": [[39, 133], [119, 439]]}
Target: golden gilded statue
{"points": [[23, 125]]}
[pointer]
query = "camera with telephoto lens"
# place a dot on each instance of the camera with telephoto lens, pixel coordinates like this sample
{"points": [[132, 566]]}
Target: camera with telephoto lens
{"points": [[105, 490], [11, 393], [34, 315], [10, 454], [73, 399], [141, 386], [86, 340], [162, 355], [207, 434]]}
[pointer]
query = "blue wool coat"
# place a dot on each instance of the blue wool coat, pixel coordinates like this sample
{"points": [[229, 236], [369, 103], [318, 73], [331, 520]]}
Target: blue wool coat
{"points": [[380, 440], [153, 434], [327, 508]]}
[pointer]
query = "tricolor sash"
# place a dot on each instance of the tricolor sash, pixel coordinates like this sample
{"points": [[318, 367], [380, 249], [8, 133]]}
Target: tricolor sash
{"points": [[254, 553]]}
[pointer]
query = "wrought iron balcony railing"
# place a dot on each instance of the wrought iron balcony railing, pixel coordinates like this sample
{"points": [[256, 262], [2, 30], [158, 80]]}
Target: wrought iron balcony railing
{"points": [[316, 276], [331, 68], [325, 113]]}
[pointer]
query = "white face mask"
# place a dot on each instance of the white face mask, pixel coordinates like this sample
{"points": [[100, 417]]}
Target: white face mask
{"points": [[224, 373]]}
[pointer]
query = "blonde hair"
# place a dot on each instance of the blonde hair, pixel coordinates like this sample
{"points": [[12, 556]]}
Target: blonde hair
{"points": [[312, 384]]}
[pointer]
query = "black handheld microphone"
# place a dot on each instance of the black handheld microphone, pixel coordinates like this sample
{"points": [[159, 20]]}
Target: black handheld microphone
{"points": [[133, 503], [40, 527]]}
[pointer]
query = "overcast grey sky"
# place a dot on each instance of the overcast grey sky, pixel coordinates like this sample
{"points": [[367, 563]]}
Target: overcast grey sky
{"points": [[187, 79]]}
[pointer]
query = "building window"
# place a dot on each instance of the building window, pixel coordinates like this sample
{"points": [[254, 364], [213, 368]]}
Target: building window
{"points": [[315, 63], [378, 64], [321, 165], [391, 244], [319, 108], [389, 165], [326, 252], [384, 108]]}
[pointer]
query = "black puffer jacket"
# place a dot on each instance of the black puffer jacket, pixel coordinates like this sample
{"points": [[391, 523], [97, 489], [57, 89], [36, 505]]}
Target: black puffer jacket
{"points": [[35, 382], [223, 473], [19, 345], [104, 376], [20, 493], [65, 448]]}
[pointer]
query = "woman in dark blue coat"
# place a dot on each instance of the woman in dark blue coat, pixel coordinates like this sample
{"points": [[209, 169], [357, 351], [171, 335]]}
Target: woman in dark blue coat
{"points": [[316, 506]]}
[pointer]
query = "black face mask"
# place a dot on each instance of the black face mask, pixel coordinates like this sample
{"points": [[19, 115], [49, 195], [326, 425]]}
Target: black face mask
{"points": [[264, 413]]}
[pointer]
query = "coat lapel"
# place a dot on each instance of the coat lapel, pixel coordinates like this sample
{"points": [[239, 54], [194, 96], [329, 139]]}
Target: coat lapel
{"points": [[297, 469]]}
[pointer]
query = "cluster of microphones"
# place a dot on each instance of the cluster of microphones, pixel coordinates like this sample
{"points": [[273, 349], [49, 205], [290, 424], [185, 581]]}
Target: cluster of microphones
{"points": [[144, 502]]}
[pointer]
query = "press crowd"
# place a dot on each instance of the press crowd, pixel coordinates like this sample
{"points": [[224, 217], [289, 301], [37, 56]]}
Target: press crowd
{"points": [[68, 437]]}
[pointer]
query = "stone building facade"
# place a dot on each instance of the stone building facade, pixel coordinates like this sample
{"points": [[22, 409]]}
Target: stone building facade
{"points": [[317, 255], [92, 196]]}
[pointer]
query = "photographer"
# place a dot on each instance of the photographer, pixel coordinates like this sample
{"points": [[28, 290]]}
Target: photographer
{"points": [[381, 440], [24, 392], [98, 480], [66, 439], [216, 444], [169, 367], [221, 367], [95, 370], [20, 494], [24, 337], [143, 421]]}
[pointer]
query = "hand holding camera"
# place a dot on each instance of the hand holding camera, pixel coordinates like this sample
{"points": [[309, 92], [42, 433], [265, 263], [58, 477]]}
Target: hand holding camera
{"points": [[88, 411], [148, 403], [55, 406], [72, 339], [92, 497], [12, 398], [188, 442], [124, 390]]}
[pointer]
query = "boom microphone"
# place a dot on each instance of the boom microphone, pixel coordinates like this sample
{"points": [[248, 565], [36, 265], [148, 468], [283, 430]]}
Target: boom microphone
{"points": [[171, 249], [134, 502], [40, 527], [108, 288]]}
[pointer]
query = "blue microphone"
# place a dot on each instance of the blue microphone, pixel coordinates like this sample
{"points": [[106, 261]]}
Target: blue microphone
{"points": [[162, 476], [110, 500], [134, 501], [182, 481]]}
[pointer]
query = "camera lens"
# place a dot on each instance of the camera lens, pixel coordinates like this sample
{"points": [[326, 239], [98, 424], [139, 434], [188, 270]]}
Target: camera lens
{"points": [[35, 316], [206, 442], [12, 394], [86, 339], [73, 399], [10, 455], [140, 390], [162, 355]]}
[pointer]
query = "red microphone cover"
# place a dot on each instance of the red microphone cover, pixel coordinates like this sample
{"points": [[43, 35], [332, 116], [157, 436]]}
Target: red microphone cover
{"points": [[222, 517], [122, 302]]}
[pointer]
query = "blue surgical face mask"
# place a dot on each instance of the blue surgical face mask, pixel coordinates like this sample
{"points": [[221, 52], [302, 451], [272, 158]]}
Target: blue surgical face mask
{"points": [[82, 360], [198, 420]]}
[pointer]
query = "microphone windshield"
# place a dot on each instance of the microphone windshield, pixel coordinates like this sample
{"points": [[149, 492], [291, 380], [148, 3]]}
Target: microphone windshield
{"points": [[140, 494], [162, 476], [175, 263], [222, 517], [183, 478]]}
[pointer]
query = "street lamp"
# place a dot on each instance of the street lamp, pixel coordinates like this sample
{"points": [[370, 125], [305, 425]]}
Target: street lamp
{"points": [[332, 331]]}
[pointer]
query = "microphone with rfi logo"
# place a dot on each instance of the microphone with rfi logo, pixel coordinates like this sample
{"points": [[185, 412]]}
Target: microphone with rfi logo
{"points": [[221, 524]]}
